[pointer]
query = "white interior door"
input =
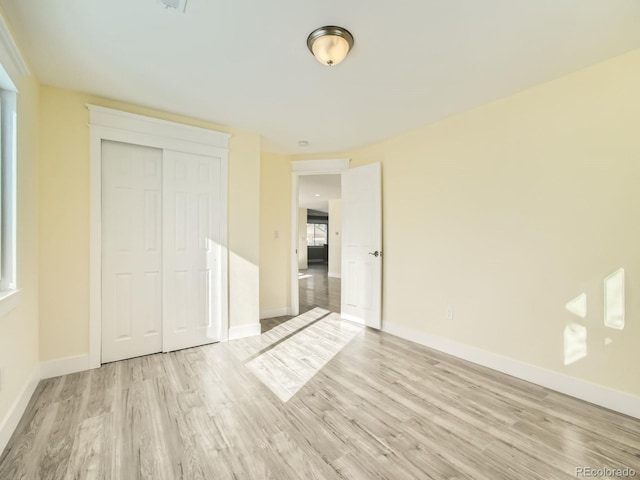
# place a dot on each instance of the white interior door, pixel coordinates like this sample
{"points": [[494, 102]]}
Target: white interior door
{"points": [[192, 303], [362, 245], [131, 251]]}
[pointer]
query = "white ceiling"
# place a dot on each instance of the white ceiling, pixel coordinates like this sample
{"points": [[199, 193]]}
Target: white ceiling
{"points": [[244, 63], [315, 191]]}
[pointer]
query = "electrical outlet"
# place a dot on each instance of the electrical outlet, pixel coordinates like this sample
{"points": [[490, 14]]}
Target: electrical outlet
{"points": [[448, 313]]}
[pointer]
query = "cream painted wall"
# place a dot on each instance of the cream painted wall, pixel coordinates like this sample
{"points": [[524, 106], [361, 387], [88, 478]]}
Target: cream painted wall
{"points": [[64, 219], [64, 224], [275, 238], [509, 211], [303, 252], [335, 237], [244, 229], [19, 328]]}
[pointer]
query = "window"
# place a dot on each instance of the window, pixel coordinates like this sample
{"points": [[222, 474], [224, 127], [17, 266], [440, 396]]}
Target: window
{"points": [[12, 65], [7, 189], [316, 234]]}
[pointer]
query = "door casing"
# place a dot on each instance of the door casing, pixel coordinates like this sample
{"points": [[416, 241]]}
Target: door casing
{"points": [[298, 169]]}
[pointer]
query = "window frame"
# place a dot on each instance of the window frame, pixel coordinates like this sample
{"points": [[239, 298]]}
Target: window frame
{"points": [[12, 67], [326, 239], [8, 199]]}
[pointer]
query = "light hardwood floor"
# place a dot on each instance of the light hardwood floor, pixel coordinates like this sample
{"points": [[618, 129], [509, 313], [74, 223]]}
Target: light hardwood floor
{"points": [[315, 289], [378, 408]]}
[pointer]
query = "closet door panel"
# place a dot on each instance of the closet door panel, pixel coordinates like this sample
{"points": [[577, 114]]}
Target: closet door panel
{"points": [[131, 251], [191, 250]]}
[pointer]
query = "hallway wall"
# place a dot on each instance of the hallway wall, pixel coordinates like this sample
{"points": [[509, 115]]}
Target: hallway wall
{"points": [[335, 238]]}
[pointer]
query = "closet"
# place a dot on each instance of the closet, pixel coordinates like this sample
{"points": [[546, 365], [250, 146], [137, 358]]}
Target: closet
{"points": [[162, 232]]}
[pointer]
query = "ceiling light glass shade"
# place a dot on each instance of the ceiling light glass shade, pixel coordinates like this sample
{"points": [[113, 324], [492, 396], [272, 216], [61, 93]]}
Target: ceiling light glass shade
{"points": [[330, 45]]}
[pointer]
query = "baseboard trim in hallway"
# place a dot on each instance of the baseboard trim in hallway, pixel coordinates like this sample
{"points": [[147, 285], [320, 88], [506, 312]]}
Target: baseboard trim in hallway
{"points": [[244, 331], [64, 366], [605, 397], [274, 312], [11, 420]]}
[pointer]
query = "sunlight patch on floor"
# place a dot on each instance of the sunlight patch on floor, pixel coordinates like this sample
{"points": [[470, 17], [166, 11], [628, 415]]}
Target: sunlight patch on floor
{"points": [[245, 348], [288, 366]]}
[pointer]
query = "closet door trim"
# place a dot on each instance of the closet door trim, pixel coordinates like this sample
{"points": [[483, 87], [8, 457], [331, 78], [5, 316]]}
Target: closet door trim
{"points": [[119, 126]]}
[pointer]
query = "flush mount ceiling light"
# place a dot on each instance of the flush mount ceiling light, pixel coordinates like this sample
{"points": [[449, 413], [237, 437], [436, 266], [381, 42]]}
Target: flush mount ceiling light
{"points": [[330, 45]]}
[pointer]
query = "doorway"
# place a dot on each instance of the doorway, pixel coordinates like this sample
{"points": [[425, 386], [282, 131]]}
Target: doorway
{"points": [[361, 237], [303, 173], [320, 242]]}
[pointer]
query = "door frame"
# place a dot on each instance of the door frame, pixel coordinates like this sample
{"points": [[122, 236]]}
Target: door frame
{"points": [[115, 125], [300, 168]]}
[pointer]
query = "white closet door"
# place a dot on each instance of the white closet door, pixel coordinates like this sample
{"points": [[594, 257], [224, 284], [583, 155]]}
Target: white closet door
{"points": [[131, 251], [191, 250]]}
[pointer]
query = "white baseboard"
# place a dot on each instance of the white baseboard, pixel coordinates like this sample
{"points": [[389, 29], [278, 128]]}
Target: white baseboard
{"points": [[587, 391], [334, 275], [274, 312], [244, 331], [11, 420], [64, 366], [354, 319]]}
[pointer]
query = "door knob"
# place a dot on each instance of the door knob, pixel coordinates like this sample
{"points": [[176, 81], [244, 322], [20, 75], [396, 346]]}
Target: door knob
{"points": [[376, 253]]}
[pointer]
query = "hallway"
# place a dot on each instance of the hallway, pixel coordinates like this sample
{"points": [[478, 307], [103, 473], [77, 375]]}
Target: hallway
{"points": [[315, 289]]}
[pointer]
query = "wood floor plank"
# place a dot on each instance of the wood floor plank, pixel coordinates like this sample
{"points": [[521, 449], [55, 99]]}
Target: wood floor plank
{"points": [[91, 453], [29, 441]]}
